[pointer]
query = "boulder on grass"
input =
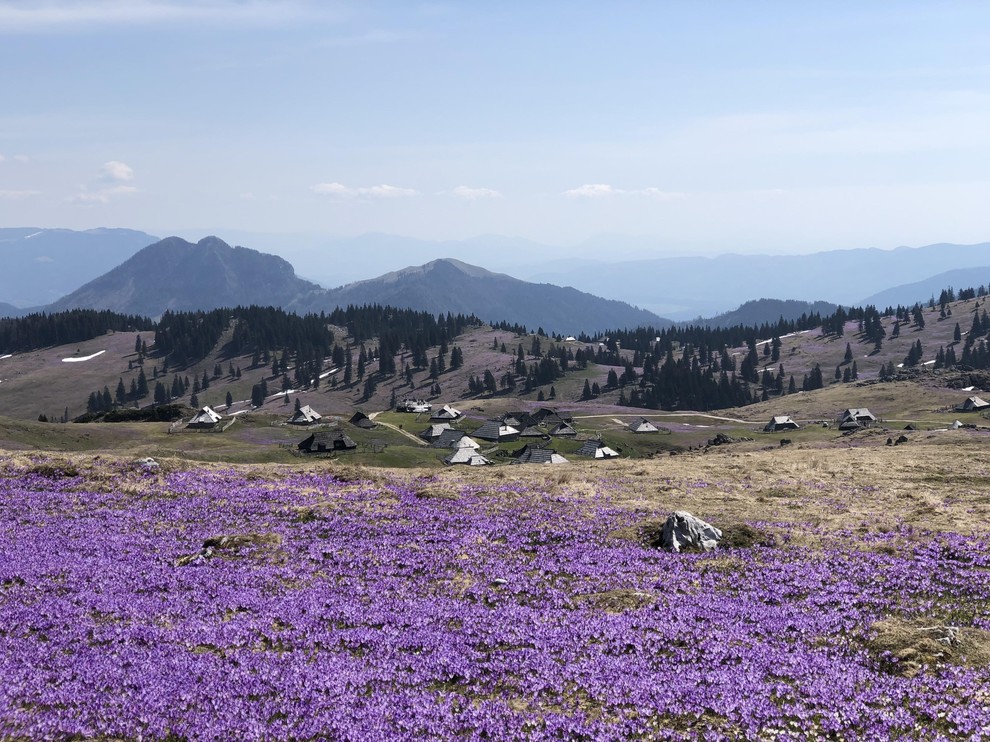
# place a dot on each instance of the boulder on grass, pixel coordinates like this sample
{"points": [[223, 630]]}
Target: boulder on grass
{"points": [[683, 530]]}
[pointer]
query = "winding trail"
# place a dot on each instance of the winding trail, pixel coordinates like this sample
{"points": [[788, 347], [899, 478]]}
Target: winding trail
{"points": [[419, 441]]}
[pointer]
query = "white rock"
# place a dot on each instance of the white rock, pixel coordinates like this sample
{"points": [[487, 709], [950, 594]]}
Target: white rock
{"points": [[683, 529]]}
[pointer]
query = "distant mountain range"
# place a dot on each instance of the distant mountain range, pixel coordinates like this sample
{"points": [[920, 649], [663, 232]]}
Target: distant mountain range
{"points": [[41, 265], [179, 275], [921, 291], [683, 288], [130, 271], [449, 285]]}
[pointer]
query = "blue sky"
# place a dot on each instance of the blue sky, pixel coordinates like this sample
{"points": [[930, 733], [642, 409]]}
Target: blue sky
{"points": [[692, 126]]}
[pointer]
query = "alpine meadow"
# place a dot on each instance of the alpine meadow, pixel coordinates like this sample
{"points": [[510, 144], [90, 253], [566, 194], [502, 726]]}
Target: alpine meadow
{"points": [[556, 371]]}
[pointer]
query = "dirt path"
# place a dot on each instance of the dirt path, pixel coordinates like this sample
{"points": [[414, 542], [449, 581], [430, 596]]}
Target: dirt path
{"points": [[417, 440]]}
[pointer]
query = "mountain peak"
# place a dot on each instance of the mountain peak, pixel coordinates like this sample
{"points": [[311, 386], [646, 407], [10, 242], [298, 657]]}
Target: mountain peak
{"points": [[178, 275], [451, 285], [212, 241]]}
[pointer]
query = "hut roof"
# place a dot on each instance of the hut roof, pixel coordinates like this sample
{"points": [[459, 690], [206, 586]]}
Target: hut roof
{"points": [[597, 450], [305, 415], [780, 422], [495, 430], [860, 414], [327, 440], [445, 413], [206, 417], [643, 426], [451, 438], [467, 457], [361, 420], [972, 403], [434, 431], [530, 454]]}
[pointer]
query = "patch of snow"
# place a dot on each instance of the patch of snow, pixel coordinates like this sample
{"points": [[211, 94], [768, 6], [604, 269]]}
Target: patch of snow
{"points": [[325, 374], [6, 356], [789, 335], [965, 388], [27, 237], [83, 358], [900, 365], [928, 363]]}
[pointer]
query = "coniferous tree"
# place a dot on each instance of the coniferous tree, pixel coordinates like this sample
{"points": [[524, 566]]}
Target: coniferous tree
{"points": [[586, 392], [348, 368]]}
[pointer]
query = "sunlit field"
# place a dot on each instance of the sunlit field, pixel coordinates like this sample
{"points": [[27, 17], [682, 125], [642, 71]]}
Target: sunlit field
{"points": [[274, 603]]}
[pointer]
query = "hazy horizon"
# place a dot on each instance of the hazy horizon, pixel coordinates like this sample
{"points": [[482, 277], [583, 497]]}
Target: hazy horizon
{"points": [[705, 128]]}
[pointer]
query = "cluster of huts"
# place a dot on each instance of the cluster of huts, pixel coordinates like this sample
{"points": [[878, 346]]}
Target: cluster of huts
{"points": [[326, 441], [853, 418], [856, 418], [535, 429]]}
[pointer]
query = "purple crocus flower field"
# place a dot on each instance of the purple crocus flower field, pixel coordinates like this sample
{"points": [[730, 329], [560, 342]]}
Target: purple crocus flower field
{"points": [[393, 609]]}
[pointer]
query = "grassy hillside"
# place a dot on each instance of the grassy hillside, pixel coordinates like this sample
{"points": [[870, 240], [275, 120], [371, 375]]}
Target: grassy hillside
{"points": [[48, 381]]}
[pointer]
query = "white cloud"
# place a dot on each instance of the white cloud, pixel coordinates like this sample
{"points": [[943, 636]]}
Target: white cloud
{"points": [[602, 190], [43, 259], [466, 193], [116, 171], [13, 195], [591, 190], [109, 183], [2, 158], [21, 158], [339, 190]]}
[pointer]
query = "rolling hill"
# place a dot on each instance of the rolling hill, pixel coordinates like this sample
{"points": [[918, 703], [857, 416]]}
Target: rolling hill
{"points": [[764, 311], [921, 291], [9, 310]]}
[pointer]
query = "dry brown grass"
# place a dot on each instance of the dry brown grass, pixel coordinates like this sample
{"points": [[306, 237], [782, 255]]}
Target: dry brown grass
{"points": [[906, 647], [938, 482]]}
